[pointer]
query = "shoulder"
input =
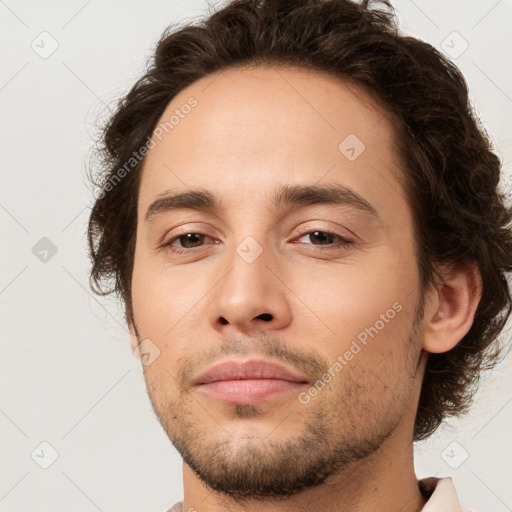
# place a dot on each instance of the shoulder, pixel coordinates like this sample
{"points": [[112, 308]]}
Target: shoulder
{"points": [[177, 507]]}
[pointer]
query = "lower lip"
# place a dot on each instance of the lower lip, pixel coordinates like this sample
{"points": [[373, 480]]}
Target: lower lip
{"points": [[249, 391]]}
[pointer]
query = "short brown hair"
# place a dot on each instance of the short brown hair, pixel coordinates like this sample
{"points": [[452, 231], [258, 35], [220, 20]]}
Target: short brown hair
{"points": [[452, 172]]}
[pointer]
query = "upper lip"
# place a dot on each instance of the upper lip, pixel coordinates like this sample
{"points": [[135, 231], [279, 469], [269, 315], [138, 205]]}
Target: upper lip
{"points": [[248, 369]]}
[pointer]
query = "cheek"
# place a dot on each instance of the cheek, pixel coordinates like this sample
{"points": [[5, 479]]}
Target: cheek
{"points": [[371, 292], [169, 310]]}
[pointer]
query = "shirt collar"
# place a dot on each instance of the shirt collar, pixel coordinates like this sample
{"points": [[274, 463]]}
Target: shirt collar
{"points": [[441, 495]]}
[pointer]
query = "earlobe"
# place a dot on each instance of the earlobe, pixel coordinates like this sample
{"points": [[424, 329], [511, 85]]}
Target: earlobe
{"points": [[134, 342], [452, 315]]}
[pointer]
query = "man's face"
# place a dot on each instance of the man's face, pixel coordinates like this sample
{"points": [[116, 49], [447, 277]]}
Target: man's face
{"points": [[316, 287]]}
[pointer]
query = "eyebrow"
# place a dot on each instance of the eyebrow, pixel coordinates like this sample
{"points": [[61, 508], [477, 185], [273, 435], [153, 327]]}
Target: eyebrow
{"points": [[286, 195]]}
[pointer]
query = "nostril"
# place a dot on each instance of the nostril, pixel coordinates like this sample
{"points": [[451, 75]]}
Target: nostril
{"points": [[265, 316]]}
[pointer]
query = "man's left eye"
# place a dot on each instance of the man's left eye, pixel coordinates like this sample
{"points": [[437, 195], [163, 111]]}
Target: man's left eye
{"points": [[326, 239]]}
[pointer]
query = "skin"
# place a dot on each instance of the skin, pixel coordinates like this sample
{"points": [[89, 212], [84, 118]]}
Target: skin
{"points": [[252, 131]]}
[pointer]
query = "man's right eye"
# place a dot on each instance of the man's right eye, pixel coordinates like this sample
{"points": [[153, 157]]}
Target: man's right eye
{"points": [[188, 242]]}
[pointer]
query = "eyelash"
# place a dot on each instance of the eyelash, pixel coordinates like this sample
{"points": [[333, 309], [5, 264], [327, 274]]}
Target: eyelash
{"points": [[344, 242]]}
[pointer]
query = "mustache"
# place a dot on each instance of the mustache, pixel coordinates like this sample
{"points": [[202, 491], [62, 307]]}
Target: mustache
{"points": [[263, 345]]}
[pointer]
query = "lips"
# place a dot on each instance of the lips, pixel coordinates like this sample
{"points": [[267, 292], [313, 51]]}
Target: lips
{"points": [[251, 369], [250, 381]]}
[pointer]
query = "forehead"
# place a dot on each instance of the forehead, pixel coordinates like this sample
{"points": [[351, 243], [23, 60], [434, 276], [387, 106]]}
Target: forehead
{"points": [[254, 126]]}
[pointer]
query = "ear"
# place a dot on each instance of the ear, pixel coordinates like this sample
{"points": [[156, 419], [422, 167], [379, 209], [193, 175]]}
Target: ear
{"points": [[451, 306], [134, 342]]}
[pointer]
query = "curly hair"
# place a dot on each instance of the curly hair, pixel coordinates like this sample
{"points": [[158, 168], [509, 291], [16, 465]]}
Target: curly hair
{"points": [[451, 171]]}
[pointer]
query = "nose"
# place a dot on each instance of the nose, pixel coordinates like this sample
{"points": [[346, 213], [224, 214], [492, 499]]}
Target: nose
{"points": [[250, 296]]}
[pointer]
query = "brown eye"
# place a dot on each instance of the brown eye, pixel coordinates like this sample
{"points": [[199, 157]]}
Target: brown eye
{"points": [[187, 242], [190, 240], [325, 239]]}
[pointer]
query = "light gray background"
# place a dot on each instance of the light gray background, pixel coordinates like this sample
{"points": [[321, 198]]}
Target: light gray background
{"points": [[67, 375]]}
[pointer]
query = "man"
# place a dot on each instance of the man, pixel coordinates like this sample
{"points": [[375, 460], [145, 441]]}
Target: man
{"points": [[301, 214]]}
